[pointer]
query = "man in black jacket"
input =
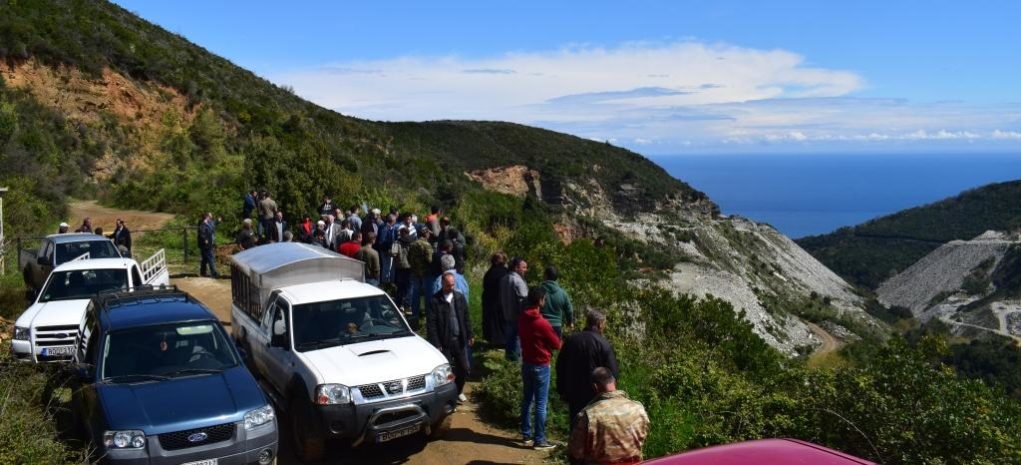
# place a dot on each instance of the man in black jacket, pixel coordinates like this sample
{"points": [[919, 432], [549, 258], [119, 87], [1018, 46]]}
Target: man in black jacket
{"points": [[581, 353], [277, 228], [122, 237], [449, 328], [207, 245]]}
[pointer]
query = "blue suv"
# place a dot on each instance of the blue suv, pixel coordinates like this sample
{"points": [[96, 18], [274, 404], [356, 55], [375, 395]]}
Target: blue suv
{"points": [[162, 383]]}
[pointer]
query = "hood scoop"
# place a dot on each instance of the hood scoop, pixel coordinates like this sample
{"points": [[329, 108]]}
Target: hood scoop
{"points": [[373, 352]]}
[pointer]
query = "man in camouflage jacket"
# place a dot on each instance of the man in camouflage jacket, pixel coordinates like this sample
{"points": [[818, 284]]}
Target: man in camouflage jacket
{"points": [[611, 429]]}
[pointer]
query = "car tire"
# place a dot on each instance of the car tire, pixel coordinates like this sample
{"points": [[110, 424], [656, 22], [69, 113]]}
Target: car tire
{"points": [[441, 427], [308, 437]]}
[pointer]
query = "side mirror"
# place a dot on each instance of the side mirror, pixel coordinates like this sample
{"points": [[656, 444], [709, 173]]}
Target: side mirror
{"points": [[42, 261]]}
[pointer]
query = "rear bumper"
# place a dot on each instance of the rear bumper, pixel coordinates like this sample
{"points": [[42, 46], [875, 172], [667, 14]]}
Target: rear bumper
{"points": [[244, 448], [361, 423]]}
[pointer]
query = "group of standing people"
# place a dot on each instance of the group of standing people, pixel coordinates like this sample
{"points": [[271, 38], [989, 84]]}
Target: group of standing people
{"points": [[121, 235], [530, 322]]}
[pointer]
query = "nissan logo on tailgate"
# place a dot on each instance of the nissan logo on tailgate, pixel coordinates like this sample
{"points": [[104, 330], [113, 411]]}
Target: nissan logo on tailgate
{"points": [[197, 437]]}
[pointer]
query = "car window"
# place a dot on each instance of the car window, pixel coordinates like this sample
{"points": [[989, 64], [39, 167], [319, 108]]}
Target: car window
{"points": [[83, 284], [96, 249], [322, 324], [171, 350], [48, 252]]}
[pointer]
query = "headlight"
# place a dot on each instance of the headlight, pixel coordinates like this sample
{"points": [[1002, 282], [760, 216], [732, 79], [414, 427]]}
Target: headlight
{"points": [[259, 417], [129, 439], [443, 374], [330, 394], [21, 334]]}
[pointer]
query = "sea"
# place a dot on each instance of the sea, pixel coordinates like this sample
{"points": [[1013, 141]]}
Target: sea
{"points": [[806, 194]]}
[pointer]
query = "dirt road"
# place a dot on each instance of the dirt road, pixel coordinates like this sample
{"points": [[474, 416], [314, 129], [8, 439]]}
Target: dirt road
{"points": [[106, 218], [829, 345]]}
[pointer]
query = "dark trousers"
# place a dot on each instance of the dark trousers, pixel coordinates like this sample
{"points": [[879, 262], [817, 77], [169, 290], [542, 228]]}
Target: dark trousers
{"points": [[574, 407], [512, 349], [208, 259], [402, 278], [458, 359]]}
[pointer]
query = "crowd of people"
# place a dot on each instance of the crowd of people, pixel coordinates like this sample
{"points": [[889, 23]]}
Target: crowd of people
{"points": [[422, 265], [121, 235]]}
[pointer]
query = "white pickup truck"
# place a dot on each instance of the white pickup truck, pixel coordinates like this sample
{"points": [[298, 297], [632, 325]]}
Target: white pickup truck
{"points": [[334, 352], [48, 329]]}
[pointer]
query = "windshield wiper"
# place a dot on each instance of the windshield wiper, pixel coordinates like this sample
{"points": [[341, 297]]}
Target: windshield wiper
{"points": [[194, 371], [134, 378]]}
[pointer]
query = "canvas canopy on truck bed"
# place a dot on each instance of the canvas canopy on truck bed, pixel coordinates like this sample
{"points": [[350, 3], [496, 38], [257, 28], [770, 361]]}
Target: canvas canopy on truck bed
{"points": [[277, 265]]}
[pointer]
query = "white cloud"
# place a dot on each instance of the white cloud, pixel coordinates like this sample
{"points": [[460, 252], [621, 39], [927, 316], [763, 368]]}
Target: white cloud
{"points": [[657, 96]]}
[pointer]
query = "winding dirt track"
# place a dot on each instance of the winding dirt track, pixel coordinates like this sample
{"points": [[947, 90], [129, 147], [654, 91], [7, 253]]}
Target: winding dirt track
{"points": [[470, 440]]}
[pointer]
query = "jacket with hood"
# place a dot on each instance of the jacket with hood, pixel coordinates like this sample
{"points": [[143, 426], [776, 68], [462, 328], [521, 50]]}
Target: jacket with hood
{"points": [[538, 341], [558, 309], [402, 262]]}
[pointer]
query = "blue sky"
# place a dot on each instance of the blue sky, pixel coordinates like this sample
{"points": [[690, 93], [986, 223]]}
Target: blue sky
{"points": [[658, 77]]}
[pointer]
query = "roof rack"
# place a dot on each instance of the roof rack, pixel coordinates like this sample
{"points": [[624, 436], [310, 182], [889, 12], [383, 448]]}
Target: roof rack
{"points": [[106, 299]]}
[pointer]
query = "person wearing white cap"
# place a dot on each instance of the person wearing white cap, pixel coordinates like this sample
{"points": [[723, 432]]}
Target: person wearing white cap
{"points": [[63, 228], [319, 235]]}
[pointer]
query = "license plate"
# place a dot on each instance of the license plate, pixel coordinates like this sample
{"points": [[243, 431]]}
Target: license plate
{"points": [[202, 462], [55, 351], [397, 433]]}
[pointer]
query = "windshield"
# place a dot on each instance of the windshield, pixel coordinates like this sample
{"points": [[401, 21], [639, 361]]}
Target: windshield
{"points": [[166, 351], [83, 284], [324, 324], [95, 249]]}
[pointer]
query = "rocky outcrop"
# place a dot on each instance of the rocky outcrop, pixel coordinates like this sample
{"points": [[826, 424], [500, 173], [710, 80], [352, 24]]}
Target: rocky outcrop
{"points": [[934, 285], [516, 180]]}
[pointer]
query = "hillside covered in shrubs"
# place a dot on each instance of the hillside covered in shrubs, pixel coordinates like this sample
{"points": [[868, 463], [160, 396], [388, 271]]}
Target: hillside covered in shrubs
{"points": [[98, 103]]}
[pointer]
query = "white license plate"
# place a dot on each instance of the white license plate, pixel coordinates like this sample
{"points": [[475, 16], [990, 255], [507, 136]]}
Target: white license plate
{"points": [[202, 462], [397, 433], [54, 351]]}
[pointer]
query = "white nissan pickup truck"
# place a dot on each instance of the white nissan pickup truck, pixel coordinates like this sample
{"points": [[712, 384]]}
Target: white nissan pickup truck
{"points": [[335, 353], [48, 330]]}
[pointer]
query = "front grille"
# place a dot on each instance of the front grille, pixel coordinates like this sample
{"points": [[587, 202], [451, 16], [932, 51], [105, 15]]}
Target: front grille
{"points": [[416, 383], [179, 439], [370, 391], [395, 387], [58, 328]]}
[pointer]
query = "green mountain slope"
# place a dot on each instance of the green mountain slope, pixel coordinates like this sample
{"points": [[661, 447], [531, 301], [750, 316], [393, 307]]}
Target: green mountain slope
{"points": [[869, 253], [240, 130]]}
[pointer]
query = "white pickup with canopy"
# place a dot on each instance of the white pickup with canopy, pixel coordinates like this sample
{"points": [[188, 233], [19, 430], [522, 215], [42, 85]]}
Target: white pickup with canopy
{"points": [[273, 266]]}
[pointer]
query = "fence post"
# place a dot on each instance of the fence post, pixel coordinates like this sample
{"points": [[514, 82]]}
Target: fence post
{"points": [[184, 240]]}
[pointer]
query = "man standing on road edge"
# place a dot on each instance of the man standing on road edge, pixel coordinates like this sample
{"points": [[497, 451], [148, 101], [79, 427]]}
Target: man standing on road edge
{"points": [[207, 245], [513, 293], [611, 429], [449, 329], [582, 353], [538, 341]]}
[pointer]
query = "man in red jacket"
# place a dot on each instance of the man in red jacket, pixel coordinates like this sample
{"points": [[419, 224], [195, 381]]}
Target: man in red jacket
{"points": [[351, 247], [538, 341]]}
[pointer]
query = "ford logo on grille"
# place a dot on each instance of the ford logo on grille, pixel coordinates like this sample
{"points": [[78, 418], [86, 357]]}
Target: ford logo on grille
{"points": [[198, 437], [61, 335]]}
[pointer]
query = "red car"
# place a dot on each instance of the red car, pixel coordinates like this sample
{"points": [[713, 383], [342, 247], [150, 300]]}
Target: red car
{"points": [[762, 452]]}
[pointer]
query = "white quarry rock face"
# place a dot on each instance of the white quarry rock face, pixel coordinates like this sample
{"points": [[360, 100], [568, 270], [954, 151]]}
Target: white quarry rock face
{"points": [[942, 273]]}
